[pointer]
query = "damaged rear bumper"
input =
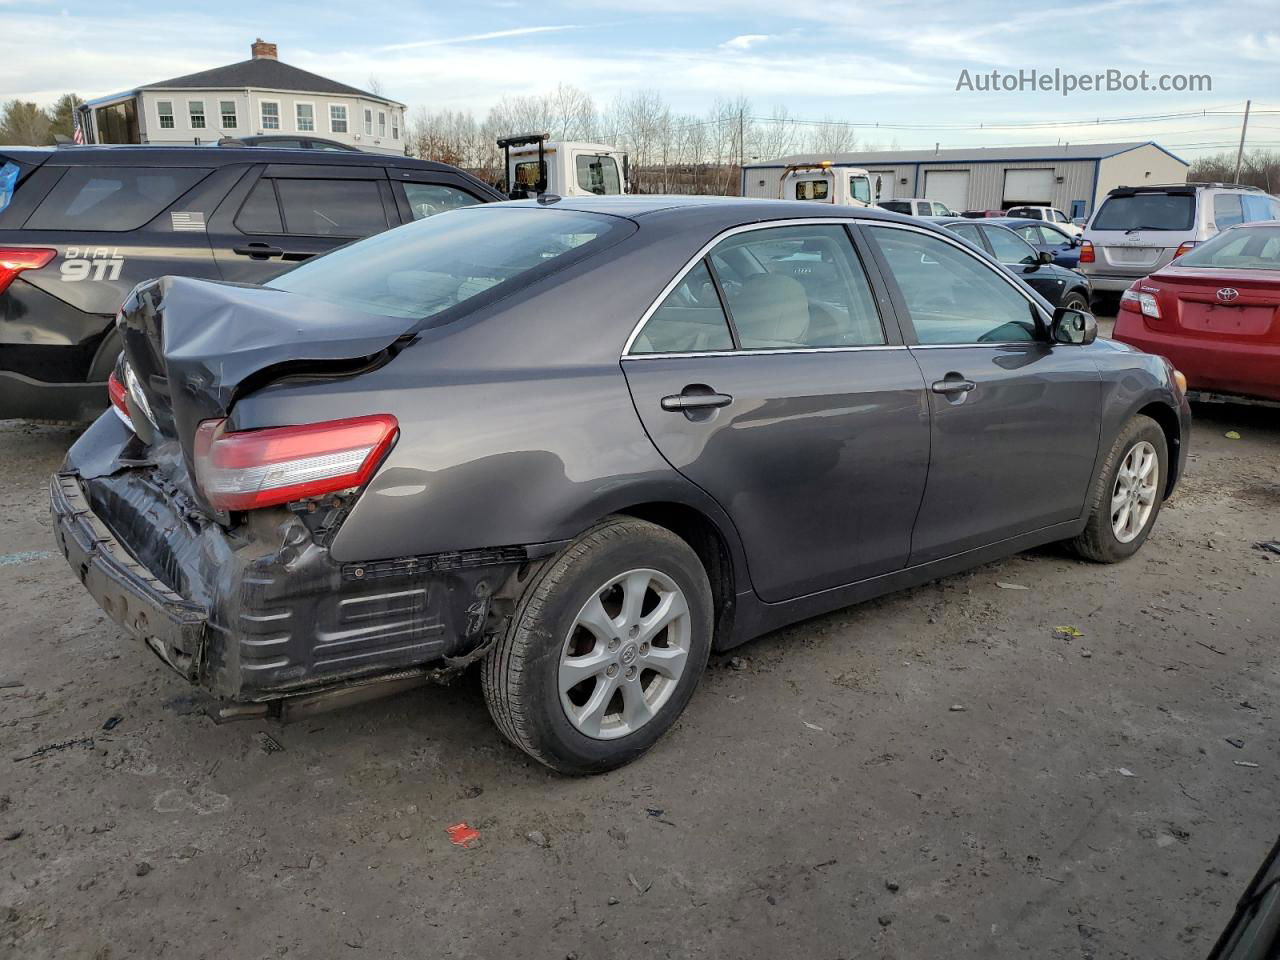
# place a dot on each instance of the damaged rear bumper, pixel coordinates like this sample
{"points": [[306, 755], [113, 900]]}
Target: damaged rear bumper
{"points": [[263, 612]]}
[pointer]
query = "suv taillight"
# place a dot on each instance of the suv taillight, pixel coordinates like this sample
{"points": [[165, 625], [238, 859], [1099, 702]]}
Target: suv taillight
{"points": [[117, 392], [1086, 251], [1183, 248], [247, 469], [13, 260]]}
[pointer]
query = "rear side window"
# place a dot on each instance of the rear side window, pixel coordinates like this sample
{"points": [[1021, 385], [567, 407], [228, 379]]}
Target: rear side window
{"points": [[1255, 207], [1227, 211], [8, 182], [689, 320], [1146, 211], [1008, 246], [112, 198], [260, 213], [427, 267], [331, 208]]}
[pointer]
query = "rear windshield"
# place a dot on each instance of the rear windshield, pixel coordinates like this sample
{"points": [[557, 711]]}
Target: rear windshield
{"points": [[112, 198], [424, 268], [1146, 211], [897, 206], [1252, 248]]}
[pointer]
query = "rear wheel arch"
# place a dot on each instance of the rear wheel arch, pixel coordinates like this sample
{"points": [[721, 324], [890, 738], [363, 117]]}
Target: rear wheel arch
{"points": [[713, 548]]}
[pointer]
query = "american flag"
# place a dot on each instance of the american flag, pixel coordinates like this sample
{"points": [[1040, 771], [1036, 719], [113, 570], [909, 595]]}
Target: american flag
{"points": [[77, 134]]}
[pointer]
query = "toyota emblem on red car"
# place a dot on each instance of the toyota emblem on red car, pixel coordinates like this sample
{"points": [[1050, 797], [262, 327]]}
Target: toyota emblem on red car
{"points": [[1227, 294]]}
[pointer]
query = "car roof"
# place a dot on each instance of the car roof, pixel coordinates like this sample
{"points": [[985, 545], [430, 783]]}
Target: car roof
{"points": [[656, 206], [124, 155]]}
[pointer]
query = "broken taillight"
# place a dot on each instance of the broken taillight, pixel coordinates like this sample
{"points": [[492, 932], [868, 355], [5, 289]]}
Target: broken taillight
{"points": [[13, 260], [247, 469], [119, 402]]}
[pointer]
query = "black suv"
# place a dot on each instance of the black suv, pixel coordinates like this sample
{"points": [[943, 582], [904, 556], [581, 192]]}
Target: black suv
{"points": [[80, 226]]}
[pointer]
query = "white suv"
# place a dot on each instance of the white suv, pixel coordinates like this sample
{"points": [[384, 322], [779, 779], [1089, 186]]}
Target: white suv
{"points": [[1138, 230], [1051, 214]]}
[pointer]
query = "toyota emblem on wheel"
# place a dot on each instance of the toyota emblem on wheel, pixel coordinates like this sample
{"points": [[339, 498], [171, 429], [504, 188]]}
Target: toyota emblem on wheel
{"points": [[1227, 294]]}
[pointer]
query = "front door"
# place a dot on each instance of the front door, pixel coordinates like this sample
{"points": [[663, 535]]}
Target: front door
{"points": [[799, 410], [1015, 416]]}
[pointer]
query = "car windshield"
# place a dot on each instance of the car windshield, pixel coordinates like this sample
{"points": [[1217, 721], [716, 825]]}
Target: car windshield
{"points": [[1146, 211], [424, 268], [1252, 248]]}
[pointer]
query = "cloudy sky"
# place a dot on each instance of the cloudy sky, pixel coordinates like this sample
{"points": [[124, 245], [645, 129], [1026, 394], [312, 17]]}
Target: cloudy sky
{"points": [[887, 62]]}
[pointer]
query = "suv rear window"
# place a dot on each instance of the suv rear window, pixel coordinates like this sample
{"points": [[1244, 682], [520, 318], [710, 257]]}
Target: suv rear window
{"points": [[112, 198], [1146, 211]]}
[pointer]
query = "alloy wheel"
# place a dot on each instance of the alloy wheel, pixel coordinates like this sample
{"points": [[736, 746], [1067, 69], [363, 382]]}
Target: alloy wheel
{"points": [[1134, 495], [624, 654]]}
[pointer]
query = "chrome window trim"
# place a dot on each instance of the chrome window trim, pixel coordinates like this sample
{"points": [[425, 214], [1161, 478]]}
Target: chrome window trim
{"points": [[940, 233]]}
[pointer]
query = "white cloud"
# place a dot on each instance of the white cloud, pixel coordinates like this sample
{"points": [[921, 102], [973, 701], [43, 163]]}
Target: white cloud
{"points": [[744, 42], [474, 37]]}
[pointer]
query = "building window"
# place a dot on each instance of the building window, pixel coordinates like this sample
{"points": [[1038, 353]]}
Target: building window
{"points": [[195, 109], [382, 123], [270, 115], [165, 109], [306, 116], [337, 118], [368, 123], [228, 110], [395, 125]]}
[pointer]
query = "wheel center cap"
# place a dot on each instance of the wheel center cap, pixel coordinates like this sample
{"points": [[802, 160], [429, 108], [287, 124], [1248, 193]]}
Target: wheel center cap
{"points": [[629, 654]]}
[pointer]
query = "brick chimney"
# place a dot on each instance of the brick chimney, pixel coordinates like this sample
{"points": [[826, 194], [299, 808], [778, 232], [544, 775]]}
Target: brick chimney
{"points": [[263, 50]]}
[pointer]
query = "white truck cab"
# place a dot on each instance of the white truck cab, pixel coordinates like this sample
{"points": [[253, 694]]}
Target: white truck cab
{"points": [[567, 168], [826, 182]]}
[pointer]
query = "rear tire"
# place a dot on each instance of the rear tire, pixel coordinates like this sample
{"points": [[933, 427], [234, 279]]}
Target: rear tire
{"points": [[1126, 495], [585, 680]]}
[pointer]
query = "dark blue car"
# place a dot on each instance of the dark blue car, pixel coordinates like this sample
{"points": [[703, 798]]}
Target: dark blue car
{"points": [[1046, 237]]}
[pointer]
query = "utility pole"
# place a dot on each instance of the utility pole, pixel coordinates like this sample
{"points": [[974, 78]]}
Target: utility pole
{"points": [[1240, 153], [742, 149]]}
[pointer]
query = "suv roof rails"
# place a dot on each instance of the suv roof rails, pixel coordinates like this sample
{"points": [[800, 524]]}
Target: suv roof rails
{"points": [[1190, 183]]}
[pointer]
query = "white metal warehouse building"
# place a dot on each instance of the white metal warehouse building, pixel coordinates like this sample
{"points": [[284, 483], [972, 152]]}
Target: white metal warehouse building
{"points": [[1073, 178]]}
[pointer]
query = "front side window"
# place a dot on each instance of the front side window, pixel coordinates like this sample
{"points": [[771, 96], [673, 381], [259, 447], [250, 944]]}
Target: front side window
{"points": [[337, 118], [597, 174], [424, 269], [382, 123], [860, 189], [968, 231], [227, 108], [195, 110], [270, 115], [428, 199], [165, 110], [1009, 247], [792, 287], [368, 122], [690, 319], [953, 296], [812, 189], [331, 208], [306, 115]]}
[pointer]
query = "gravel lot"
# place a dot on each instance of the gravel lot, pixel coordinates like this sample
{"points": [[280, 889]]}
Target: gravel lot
{"points": [[934, 767]]}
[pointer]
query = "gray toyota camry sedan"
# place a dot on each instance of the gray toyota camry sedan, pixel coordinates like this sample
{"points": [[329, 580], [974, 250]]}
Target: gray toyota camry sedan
{"points": [[584, 443]]}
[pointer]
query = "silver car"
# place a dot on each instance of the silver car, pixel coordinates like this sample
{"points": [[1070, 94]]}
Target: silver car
{"points": [[1138, 230]]}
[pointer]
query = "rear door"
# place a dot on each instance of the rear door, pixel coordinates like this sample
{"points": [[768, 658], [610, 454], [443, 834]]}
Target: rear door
{"points": [[1015, 417], [773, 377], [284, 213]]}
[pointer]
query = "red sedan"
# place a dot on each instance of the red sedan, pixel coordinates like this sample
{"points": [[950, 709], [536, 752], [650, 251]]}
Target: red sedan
{"points": [[1215, 313]]}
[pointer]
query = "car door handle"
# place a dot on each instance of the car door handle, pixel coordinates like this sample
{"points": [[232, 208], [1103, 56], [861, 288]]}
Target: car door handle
{"points": [[258, 251], [952, 386], [695, 401]]}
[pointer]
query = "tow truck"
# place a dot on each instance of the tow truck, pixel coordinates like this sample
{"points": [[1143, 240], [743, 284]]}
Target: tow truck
{"points": [[535, 165], [826, 182]]}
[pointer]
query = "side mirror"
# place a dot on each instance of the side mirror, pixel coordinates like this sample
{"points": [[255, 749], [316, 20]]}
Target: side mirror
{"points": [[1073, 242], [1075, 327], [1045, 257]]}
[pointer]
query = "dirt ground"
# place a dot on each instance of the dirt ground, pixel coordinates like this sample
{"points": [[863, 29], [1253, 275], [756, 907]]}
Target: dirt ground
{"points": [[931, 774]]}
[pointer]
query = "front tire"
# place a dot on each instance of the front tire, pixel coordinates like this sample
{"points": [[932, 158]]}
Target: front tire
{"points": [[1126, 495], [1075, 300], [605, 649]]}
